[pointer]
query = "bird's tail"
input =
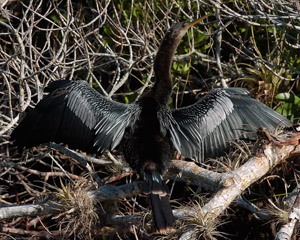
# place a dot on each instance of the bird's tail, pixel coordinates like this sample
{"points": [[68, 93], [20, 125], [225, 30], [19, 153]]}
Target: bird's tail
{"points": [[159, 198]]}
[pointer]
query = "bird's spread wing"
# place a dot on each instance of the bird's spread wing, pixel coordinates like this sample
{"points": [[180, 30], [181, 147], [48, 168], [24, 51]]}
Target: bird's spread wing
{"points": [[76, 114], [206, 128]]}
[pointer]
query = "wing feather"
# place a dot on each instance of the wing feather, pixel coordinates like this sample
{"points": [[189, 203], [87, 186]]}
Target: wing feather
{"points": [[206, 128], [76, 114]]}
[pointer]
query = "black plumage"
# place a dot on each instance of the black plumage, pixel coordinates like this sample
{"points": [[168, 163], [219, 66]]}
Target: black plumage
{"points": [[76, 114]]}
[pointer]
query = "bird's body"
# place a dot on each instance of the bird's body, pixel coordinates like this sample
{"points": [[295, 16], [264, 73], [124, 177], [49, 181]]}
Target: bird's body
{"points": [[148, 151], [149, 143], [76, 114]]}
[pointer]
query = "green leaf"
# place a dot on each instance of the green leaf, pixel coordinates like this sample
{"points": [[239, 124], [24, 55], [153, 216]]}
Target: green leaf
{"points": [[126, 100]]}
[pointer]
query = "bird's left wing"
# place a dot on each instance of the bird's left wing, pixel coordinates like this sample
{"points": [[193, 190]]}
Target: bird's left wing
{"points": [[77, 115], [206, 128]]}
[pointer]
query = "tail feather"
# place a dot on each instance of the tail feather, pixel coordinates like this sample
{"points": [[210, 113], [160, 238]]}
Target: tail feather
{"points": [[160, 189], [167, 210], [162, 212], [157, 212], [160, 204]]}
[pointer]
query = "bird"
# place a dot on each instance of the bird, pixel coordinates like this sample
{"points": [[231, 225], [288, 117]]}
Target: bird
{"points": [[147, 130]]}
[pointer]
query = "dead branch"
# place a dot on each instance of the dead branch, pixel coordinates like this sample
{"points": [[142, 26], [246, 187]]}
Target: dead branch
{"points": [[230, 185], [104, 193], [255, 168], [287, 230]]}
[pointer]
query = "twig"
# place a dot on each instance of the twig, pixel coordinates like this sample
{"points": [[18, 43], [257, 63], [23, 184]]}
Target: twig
{"points": [[80, 159]]}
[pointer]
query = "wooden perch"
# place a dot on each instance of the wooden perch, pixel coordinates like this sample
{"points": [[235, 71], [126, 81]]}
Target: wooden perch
{"points": [[270, 154], [104, 193], [192, 172], [256, 167], [229, 186]]}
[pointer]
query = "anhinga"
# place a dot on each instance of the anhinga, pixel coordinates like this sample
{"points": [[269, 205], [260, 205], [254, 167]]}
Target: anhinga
{"points": [[76, 114]]}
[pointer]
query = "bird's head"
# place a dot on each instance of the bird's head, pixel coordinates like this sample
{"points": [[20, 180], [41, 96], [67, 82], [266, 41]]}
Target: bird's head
{"points": [[176, 32]]}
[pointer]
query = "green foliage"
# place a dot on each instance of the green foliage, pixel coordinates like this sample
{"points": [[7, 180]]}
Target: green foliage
{"points": [[290, 106], [56, 19]]}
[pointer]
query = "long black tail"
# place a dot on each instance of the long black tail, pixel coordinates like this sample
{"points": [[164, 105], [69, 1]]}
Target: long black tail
{"points": [[159, 198]]}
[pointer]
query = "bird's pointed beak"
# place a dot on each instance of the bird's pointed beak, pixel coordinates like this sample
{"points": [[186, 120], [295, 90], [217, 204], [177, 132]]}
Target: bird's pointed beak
{"points": [[197, 21]]}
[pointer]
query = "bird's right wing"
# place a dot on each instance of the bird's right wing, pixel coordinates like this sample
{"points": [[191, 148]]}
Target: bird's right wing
{"points": [[206, 128], [76, 114]]}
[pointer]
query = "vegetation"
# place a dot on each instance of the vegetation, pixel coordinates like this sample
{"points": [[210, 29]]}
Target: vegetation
{"points": [[112, 45]]}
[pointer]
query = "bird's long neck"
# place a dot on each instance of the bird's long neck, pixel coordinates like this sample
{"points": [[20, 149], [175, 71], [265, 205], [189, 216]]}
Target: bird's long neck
{"points": [[162, 88]]}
